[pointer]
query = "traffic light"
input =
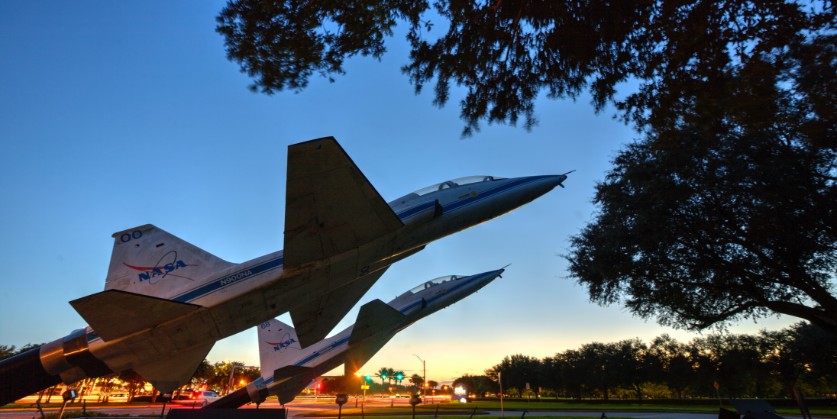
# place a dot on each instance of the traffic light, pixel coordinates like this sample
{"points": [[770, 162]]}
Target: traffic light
{"points": [[369, 378], [399, 376]]}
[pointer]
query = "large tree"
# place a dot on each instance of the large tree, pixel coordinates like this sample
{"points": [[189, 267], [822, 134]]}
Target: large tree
{"points": [[133, 382], [477, 384], [518, 371], [669, 364], [715, 229], [726, 208], [203, 374], [801, 354]]}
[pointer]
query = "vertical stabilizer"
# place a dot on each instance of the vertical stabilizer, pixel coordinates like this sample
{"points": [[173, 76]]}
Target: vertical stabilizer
{"points": [[278, 346], [147, 260]]}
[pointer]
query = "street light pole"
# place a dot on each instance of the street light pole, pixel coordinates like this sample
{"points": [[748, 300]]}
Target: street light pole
{"points": [[232, 373], [424, 372]]}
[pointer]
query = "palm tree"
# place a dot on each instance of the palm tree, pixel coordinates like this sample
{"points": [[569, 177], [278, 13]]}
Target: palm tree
{"points": [[390, 375], [383, 374], [417, 381], [399, 377], [432, 384]]}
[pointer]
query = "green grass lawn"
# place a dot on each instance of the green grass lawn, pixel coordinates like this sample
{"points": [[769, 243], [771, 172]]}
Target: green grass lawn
{"points": [[408, 415]]}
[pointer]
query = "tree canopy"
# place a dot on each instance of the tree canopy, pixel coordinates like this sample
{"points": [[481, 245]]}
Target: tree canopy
{"points": [[505, 53]]}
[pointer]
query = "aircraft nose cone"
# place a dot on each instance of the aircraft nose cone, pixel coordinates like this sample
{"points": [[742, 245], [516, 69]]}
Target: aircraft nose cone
{"points": [[543, 184], [492, 275], [556, 180]]}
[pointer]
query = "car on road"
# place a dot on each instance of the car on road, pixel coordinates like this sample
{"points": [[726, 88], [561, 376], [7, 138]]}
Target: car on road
{"points": [[204, 397]]}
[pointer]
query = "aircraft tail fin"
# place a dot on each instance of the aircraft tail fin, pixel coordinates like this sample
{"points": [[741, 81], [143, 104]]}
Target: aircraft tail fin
{"points": [[150, 261], [278, 346]]}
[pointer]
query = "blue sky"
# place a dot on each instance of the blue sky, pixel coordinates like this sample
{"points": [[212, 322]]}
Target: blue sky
{"points": [[118, 114]]}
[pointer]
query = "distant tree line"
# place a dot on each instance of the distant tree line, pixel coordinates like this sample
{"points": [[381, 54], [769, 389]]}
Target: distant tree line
{"points": [[768, 364], [207, 376], [8, 351]]}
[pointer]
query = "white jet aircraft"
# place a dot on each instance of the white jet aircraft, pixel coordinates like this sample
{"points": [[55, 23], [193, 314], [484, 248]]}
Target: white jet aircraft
{"points": [[166, 302], [287, 368]]}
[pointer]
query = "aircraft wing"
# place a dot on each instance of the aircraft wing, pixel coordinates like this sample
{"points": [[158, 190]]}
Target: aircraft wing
{"points": [[114, 313], [376, 324], [375, 317], [314, 320], [330, 205], [359, 355]]}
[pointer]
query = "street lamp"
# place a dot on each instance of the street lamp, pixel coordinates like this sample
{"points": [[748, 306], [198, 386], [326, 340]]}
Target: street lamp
{"points": [[364, 385], [424, 371]]}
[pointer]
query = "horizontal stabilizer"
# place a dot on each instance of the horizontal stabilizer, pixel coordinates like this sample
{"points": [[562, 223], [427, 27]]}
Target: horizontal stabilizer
{"points": [[232, 400], [288, 391], [315, 319], [114, 314], [290, 381], [331, 207], [174, 370], [255, 392], [375, 317]]}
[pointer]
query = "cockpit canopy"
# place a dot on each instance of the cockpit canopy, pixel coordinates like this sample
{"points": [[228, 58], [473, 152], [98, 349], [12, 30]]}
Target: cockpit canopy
{"points": [[448, 184], [434, 282]]}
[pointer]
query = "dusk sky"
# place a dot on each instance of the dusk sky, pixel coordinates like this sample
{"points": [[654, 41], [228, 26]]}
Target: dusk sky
{"points": [[118, 114]]}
